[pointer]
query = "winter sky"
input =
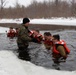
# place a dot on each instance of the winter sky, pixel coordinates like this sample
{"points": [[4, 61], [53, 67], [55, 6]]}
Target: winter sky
{"points": [[23, 2]]}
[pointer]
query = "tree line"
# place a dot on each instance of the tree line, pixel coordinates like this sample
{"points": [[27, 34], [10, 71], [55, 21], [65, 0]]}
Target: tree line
{"points": [[45, 9]]}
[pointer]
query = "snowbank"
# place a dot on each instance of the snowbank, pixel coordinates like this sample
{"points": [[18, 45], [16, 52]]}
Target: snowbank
{"points": [[56, 21], [11, 65]]}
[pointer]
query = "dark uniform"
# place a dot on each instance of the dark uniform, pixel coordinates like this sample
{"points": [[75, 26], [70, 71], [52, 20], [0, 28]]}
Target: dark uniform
{"points": [[23, 42]]}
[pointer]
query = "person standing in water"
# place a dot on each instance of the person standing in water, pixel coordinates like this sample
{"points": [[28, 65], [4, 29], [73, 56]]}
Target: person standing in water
{"points": [[23, 40], [60, 50]]}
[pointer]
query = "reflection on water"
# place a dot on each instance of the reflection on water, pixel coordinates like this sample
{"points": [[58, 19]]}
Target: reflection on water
{"points": [[40, 56]]}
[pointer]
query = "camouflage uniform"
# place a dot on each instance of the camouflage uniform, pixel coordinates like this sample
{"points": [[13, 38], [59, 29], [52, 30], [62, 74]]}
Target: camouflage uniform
{"points": [[23, 42]]}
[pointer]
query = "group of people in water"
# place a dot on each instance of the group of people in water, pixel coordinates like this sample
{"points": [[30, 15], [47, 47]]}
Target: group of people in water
{"points": [[51, 42]]}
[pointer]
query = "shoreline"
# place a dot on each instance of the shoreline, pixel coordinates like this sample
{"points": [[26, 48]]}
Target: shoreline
{"points": [[40, 26]]}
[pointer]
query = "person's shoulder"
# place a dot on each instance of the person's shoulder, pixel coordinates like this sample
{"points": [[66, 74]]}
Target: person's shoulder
{"points": [[21, 27], [60, 47]]}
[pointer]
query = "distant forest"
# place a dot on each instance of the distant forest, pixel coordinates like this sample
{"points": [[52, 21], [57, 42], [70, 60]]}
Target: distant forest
{"points": [[45, 9]]}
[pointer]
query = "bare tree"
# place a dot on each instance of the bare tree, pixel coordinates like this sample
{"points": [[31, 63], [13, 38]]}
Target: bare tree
{"points": [[17, 5], [56, 2], [73, 7], [2, 4]]}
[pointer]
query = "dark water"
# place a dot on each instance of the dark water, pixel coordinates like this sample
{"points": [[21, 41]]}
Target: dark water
{"points": [[40, 56]]}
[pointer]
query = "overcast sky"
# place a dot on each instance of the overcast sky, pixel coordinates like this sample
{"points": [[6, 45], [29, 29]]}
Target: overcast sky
{"points": [[21, 2]]}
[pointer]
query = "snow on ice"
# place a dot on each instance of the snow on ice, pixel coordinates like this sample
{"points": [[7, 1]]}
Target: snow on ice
{"points": [[56, 21], [11, 65]]}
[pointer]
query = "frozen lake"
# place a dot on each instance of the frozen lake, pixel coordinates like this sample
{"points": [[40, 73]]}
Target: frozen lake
{"points": [[39, 55]]}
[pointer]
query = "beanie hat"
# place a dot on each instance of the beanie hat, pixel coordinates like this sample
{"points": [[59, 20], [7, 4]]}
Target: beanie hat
{"points": [[25, 20]]}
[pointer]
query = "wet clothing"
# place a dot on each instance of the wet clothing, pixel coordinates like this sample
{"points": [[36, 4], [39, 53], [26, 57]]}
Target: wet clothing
{"points": [[24, 54], [48, 44], [36, 38], [60, 50], [11, 34], [16, 33], [23, 42]]}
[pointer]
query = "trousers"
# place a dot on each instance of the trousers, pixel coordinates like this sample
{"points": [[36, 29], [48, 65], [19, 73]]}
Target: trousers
{"points": [[24, 53]]}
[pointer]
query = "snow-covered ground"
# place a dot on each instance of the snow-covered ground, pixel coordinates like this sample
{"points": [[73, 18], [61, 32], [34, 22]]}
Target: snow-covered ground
{"points": [[11, 65], [56, 21]]}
